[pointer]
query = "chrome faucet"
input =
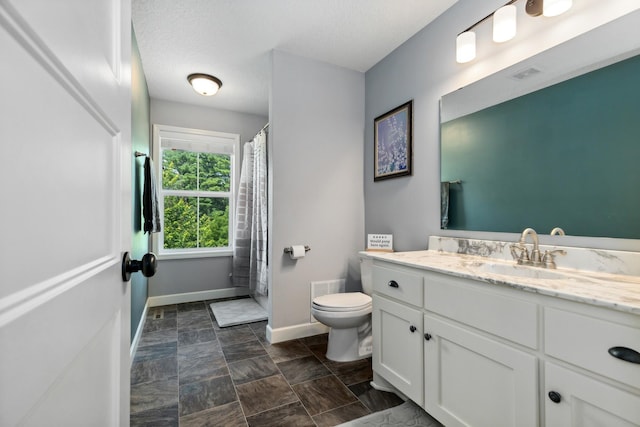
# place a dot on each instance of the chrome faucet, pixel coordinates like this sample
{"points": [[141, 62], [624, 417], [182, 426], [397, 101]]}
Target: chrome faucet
{"points": [[523, 257], [547, 260]]}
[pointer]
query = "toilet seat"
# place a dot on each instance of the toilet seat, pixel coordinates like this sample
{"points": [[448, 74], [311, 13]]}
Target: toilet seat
{"points": [[342, 302]]}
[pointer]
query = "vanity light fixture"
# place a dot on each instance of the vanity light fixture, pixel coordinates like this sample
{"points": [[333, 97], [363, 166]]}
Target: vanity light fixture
{"points": [[504, 28], [204, 84], [465, 47], [555, 7], [504, 24]]}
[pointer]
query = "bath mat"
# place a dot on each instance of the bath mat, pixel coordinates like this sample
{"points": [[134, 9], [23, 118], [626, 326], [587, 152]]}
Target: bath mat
{"points": [[407, 414], [238, 312]]}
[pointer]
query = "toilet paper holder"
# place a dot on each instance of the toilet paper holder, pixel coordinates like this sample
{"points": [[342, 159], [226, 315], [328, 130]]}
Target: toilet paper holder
{"points": [[289, 249]]}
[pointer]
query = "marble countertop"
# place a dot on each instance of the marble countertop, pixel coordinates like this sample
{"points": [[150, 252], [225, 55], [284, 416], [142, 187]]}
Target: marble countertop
{"points": [[616, 291]]}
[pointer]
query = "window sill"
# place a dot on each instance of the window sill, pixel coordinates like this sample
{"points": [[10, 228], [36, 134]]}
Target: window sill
{"points": [[192, 255]]}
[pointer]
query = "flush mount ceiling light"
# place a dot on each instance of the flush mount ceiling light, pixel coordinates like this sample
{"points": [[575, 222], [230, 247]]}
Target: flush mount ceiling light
{"points": [[204, 84]]}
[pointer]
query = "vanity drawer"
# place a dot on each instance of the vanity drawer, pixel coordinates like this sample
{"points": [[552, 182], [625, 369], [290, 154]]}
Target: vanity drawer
{"points": [[475, 304], [400, 284], [585, 341]]}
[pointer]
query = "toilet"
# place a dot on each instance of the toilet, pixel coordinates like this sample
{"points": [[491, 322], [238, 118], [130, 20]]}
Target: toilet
{"points": [[348, 314]]}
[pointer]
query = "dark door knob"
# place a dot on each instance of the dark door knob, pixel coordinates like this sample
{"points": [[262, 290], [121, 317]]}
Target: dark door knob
{"points": [[427, 337], [412, 328], [393, 284], [555, 396], [147, 265]]}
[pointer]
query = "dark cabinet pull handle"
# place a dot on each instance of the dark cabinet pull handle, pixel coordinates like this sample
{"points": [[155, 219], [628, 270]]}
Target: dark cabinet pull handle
{"points": [[393, 284], [412, 328], [555, 396], [626, 354], [427, 337]]}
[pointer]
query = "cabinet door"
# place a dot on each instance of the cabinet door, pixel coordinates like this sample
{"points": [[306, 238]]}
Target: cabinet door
{"points": [[584, 340], [471, 380], [397, 346], [585, 402]]}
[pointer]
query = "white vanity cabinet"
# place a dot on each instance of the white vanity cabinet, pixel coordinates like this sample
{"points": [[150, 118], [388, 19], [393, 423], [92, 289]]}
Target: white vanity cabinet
{"points": [[397, 329], [580, 400], [473, 376], [581, 340], [397, 344], [489, 355], [471, 380]]}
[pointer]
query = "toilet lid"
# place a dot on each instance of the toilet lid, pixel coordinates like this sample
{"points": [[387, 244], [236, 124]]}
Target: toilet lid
{"points": [[346, 301]]}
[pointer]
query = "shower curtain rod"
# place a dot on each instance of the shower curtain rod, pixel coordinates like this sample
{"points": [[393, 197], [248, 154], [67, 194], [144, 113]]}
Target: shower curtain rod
{"points": [[265, 127]]}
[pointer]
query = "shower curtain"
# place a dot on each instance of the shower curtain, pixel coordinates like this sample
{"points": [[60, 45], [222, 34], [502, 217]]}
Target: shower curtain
{"points": [[250, 249]]}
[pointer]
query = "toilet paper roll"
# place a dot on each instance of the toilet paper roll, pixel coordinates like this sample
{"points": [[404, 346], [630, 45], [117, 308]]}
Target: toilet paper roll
{"points": [[297, 251]]}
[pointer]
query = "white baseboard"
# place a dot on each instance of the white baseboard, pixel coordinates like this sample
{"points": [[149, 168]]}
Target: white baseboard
{"points": [[294, 332], [197, 296], [136, 337]]}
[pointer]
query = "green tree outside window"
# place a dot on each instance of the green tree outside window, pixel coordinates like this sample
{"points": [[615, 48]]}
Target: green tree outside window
{"points": [[200, 220]]}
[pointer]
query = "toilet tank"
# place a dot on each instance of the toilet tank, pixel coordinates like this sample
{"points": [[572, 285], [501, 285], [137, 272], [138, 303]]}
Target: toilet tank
{"points": [[366, 265]]}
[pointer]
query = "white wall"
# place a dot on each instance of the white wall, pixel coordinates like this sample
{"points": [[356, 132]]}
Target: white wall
{"points": [[191, 116], [424, 69], [316, 141], [198, 274]]}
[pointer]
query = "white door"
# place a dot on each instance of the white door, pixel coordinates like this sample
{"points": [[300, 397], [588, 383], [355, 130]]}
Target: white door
{"points": [[65, 215]]}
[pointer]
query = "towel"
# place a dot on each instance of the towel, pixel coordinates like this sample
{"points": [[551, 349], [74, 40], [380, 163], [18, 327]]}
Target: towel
{"points": [[150, 200], [444, 204]]}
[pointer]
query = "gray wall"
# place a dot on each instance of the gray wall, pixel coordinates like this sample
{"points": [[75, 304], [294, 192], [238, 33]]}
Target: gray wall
{"points": [[316, 149], [140, 141], [176, 276], [424, 69]]}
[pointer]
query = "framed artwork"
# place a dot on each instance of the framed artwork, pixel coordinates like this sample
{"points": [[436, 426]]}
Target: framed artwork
{"points": [[393, 142]]}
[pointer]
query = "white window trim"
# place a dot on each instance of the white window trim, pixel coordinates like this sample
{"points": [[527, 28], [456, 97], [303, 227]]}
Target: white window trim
{"points": [[198, 137]]}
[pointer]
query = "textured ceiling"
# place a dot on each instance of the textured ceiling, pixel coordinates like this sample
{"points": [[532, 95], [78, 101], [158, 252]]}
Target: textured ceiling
{"points": [[231, 39]]}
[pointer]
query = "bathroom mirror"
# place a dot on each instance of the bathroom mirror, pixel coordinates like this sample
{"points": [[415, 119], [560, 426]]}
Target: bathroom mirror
{"points": [[551, 141]]}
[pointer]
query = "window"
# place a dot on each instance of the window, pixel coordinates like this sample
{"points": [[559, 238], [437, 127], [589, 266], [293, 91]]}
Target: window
{"points": [[195, 170]]}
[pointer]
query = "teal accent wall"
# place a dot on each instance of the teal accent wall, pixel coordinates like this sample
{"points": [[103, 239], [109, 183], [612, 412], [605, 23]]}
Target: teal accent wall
{"points": [[140, 136], [567, 155]]}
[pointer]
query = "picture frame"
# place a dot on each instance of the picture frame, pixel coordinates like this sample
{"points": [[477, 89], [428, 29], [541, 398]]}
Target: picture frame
{"points": [[393, 143]]}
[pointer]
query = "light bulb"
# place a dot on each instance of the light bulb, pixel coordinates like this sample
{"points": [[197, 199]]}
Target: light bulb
{"points": [[555, 7], [504, 23], [465, 47]]}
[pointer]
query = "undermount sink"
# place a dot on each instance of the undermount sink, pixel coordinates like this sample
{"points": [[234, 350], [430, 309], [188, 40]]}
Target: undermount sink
{"points": [[520, 271]]}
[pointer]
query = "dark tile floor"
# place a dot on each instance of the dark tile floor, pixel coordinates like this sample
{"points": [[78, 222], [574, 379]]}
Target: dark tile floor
{"points": [[189, 372]]}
